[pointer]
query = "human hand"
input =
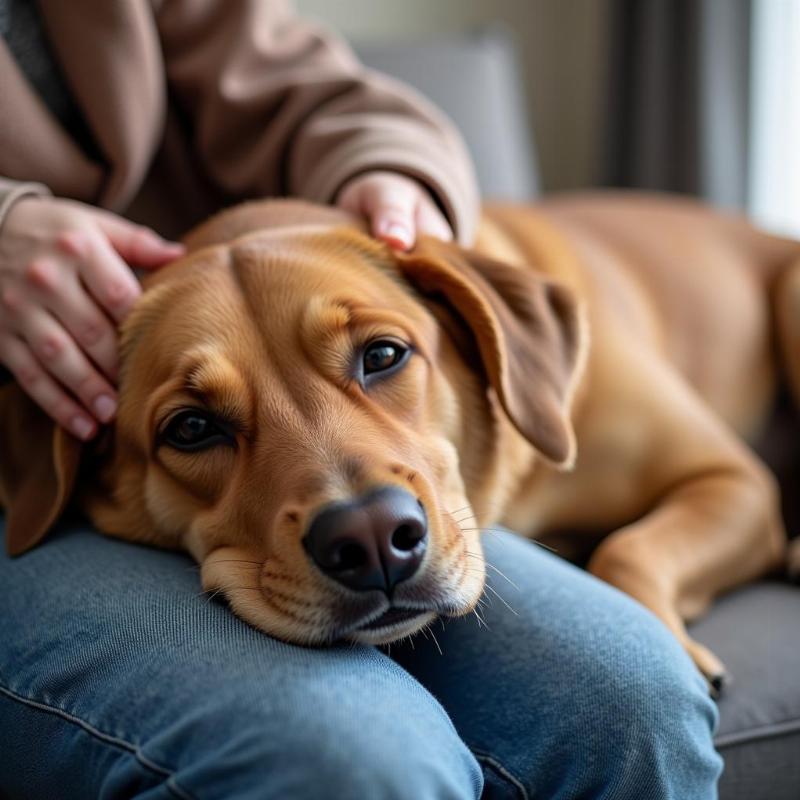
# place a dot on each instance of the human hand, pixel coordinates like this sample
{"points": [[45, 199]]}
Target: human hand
{"points": [[65, 282], [396, 207]]}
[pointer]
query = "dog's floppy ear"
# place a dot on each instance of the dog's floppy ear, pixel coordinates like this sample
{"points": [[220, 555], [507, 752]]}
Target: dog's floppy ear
{"points": [[39, 463], [529, 333]]}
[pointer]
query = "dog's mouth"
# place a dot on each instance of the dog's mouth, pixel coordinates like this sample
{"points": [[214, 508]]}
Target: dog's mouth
{"points": [[391, 618], [391, 625]]}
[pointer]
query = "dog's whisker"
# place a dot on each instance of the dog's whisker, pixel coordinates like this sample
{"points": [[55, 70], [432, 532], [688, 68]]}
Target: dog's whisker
{"points": [[213, 594], [502, 575], [485, 506], [484, 530], [501, 599], [496, 569], [501, 530], [435, 640], [481, 619], [458, 510]]}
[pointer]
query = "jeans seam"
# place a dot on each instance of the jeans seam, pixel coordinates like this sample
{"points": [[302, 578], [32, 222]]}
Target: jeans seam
{"points": [[492, 762], [172, 785]]}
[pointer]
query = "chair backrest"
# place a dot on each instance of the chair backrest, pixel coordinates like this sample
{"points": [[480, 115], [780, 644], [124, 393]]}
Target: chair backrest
{"points": [[476, 81]]}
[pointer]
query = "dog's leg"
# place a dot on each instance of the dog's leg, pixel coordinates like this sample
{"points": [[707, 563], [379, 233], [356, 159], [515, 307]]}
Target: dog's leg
{"points": [[715, 521]]}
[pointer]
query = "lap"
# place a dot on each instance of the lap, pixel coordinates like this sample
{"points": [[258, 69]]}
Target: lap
{"points": [[566, 670], [142, 680], [118, 671]]}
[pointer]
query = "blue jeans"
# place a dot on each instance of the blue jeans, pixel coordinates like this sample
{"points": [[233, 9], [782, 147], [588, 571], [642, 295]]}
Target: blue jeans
{"points": [[119, 679]]}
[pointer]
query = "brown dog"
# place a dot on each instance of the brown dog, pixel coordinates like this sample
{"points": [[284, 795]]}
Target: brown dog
{"points": [[325, 424]]}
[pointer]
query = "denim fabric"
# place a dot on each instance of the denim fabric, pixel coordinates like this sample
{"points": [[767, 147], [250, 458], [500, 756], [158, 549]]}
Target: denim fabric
{"points": [[118, 678]]}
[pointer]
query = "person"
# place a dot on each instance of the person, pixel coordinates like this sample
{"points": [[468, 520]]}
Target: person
{"points": [[120, 124]]}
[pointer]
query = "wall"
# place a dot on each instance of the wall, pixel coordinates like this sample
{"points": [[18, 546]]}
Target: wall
{"points": [[563, 48]]}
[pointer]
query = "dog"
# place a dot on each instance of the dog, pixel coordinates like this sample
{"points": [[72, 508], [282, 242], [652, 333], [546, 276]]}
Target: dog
{"points": [[325, 424]]}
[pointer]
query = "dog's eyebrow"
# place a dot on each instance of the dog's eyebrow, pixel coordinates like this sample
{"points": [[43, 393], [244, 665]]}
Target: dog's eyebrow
{"points": [[220, 384]]}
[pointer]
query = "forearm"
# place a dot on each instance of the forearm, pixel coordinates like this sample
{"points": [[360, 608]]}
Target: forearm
{"points": [[278, 107]]}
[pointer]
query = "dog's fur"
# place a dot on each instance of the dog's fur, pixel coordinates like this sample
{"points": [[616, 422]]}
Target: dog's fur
{"points": [[650, 331]]}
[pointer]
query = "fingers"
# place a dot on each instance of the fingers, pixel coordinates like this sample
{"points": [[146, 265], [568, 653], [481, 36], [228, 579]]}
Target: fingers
{"points": [[65, 279], [106, 275], [397, 207], [43, 390], [139, 246], [63, 295], [57, 352]]}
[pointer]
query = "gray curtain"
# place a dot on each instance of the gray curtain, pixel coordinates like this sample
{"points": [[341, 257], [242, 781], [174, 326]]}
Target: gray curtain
{"points": [[680, 97]]}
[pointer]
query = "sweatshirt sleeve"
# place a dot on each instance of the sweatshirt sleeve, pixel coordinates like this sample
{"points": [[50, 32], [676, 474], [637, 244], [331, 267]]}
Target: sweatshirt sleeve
{"points": [[11, 191], [277, 106]]}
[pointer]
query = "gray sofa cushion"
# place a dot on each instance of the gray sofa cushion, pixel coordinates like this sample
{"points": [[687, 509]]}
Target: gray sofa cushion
{"points": [[475, 80], [756, 632]]}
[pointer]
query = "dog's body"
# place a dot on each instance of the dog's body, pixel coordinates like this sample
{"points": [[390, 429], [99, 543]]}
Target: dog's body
{"points": [[691, 319]]}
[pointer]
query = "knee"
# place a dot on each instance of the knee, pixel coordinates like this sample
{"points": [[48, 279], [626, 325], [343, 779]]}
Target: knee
{"points": [[323, 745], [652, 717], [385, 762]]}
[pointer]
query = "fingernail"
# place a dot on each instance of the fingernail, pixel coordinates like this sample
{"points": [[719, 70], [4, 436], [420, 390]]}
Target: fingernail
{"points": [[81, 427], [104, 407], [397, 235]]}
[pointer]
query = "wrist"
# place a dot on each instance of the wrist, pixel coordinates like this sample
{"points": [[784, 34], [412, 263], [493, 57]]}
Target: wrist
{"points": [[13, 192]]}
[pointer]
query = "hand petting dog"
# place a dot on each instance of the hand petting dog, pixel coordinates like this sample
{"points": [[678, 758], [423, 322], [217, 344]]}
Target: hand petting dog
{"points": [[66, 280], [398, 208]]}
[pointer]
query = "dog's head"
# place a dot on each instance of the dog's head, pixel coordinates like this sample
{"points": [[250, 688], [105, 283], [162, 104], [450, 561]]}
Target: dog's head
{"points": [[295, 409]]}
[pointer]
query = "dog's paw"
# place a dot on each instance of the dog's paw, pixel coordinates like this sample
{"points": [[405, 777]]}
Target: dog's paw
{"points": [[714, 671]]}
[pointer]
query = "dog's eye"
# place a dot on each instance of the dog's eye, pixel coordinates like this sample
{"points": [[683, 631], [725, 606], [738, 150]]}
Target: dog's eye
{"points": [[193, 430], [382, 355]]}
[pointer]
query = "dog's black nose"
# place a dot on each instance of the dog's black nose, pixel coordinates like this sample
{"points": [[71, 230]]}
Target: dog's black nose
{"points": [[374, 542]]}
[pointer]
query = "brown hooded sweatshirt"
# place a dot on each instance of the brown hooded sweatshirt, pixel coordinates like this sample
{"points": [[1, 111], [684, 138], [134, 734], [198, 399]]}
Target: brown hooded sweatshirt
{"points": [[193, 104]]}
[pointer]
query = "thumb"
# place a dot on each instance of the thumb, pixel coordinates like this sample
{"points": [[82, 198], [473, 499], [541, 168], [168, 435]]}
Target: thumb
{"points": [[138, 245]]}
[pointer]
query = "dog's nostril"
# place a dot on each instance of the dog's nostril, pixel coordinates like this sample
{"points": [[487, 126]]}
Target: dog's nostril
{"points": [[407, 537], [349, 555], [371, 543]]}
